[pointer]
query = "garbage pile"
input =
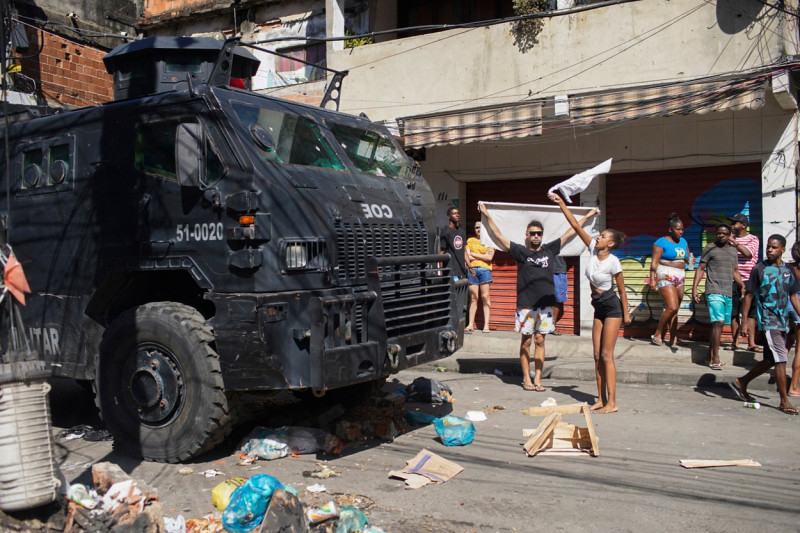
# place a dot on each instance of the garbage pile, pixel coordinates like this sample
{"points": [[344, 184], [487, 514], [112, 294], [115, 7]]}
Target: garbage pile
{"points": [[115, 502], [261, 503]]}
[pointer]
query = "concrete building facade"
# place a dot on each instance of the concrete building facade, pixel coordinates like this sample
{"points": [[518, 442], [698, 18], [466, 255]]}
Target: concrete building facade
{"points": [[695, 102]]}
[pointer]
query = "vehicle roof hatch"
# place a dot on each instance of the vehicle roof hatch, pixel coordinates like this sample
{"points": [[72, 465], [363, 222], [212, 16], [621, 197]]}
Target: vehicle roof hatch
{"points": [[162, 64]]}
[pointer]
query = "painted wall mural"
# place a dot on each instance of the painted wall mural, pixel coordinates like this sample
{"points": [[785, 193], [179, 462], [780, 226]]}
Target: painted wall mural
{"points": [[701, 208]]}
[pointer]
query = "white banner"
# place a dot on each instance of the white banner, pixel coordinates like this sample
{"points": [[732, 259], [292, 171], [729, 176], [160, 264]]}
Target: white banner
{"points": [[513, 219]]}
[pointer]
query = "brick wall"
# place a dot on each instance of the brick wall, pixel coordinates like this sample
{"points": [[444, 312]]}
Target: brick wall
{"points": [[67, 73]]}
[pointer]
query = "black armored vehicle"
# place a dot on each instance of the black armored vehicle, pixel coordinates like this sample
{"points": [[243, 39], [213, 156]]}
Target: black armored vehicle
{"points": [[193, 239]]}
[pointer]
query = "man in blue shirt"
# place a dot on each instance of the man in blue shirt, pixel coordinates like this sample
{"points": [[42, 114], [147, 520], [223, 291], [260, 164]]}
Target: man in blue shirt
{"points": [[774, 287]]}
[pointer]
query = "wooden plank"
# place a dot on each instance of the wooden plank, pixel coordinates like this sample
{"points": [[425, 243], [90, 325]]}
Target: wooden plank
{"points": [[569, 409], [542, 433], [571, 437], [590, 426], [705, 463], [584, 452]]}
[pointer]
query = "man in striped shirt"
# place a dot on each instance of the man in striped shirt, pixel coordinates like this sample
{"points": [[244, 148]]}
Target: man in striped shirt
{"points": [[747, 246]]}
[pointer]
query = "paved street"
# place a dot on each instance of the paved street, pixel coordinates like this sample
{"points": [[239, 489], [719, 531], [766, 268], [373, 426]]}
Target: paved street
{"points": [[635, 484]]}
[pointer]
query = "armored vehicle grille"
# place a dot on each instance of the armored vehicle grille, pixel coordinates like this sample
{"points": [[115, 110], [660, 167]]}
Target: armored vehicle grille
{"points": [[416, 296], [356, 242]]}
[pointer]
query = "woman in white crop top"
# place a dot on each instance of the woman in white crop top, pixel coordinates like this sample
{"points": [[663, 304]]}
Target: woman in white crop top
{"points": [[610, 312]]}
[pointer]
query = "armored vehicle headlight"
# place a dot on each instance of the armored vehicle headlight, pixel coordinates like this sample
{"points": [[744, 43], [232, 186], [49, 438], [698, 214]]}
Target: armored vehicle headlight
{"points": [[296, 256]]}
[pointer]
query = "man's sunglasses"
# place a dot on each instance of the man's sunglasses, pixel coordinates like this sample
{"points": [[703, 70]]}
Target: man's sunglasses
{"points": [[535, 233]]}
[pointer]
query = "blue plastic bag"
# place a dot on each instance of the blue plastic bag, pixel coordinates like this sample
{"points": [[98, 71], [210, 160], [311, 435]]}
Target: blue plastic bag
{"points": [[249, 503], [454, 430]]}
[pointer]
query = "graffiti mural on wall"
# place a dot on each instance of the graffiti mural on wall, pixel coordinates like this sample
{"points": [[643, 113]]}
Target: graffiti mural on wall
{"points": [[704, 209]]}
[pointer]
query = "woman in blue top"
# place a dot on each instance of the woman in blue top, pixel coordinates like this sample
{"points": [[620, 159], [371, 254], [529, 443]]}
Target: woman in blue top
{"points": [[667, 274]]}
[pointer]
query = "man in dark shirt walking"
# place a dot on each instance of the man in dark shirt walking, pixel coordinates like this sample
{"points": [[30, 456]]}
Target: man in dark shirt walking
{"points": [[452, 239], [773, 289]]}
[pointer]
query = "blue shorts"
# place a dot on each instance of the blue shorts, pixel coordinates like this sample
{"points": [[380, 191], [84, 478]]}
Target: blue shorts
{"points": [[560, 281], [719, 307], [482, 275]]}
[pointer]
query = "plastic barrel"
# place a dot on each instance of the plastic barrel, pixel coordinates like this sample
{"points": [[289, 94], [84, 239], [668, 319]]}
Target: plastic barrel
{"points": [[27, 469]]}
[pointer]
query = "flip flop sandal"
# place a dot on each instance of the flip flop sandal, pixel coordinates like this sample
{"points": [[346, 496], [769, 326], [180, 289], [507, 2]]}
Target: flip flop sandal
{"points": [[716, 366], [789, 410], [738, 391], [757, 349], [655, 340]]}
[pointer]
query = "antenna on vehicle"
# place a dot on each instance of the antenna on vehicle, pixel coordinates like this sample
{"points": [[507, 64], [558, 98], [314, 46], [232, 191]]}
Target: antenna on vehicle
{"points": [[334, 90]]}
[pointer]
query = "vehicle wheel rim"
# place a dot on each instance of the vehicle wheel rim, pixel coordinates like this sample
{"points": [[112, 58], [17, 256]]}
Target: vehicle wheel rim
{"points": [[153, 384]]}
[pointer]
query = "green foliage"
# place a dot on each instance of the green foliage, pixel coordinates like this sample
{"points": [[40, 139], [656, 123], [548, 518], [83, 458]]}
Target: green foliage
{"points": [[526, 31], [358, 41]]}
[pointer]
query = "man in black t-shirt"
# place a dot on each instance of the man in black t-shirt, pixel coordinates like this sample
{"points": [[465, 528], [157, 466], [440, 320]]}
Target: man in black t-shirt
{"points": [[535, 292], [452, 239]]}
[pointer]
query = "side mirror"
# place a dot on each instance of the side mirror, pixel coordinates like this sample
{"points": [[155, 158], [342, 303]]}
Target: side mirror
{"points": [[189, 158]]}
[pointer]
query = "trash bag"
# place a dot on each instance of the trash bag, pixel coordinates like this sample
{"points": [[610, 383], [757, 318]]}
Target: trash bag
{"points": [[249, 503], [454, 430], [273, 443], [426, 390], [351, 519], [87, 433], [221, 495]]}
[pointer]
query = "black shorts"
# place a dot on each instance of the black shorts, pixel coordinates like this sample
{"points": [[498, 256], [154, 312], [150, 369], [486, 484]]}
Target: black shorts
{"points": [[606, 305], [736, 301], [736, 304]]}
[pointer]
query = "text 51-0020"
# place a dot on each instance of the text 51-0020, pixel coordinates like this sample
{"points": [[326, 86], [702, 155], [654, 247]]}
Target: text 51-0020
{"points": [[207, 231]]}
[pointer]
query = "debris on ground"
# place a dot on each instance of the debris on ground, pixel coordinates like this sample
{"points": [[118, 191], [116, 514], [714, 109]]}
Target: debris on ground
{"points": [[553, 436], [116, 501], [705, 463], [248, 503], [475, 416], [324, 472], [454, 430], [426, 467], [269, 443], [549, 402], [427, 390], [87, 433], [221, 494]]}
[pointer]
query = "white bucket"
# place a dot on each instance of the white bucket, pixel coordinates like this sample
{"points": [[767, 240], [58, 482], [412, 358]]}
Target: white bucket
{"points": [[27, 470]]}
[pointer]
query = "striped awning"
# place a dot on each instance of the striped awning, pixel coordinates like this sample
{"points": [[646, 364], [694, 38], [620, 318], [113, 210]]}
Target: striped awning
{"points": [[525, 119], [665, 100], [484, 124]]}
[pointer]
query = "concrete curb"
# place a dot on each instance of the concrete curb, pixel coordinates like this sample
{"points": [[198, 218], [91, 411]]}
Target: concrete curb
{"points": [[569, 358]]}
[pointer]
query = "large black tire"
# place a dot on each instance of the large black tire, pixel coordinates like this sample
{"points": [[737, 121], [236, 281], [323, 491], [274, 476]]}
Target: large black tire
{"points": [[159, 383]]}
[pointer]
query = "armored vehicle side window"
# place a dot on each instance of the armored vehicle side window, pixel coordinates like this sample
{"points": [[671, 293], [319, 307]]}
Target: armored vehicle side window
{"points": [[58, 163], [155, 151], [287, 138], [46, 166], [371, 151], [32, 168]]}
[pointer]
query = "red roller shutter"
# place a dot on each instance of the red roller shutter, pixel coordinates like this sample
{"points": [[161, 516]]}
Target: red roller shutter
{"points": [[639, 204], [504, 287]]}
